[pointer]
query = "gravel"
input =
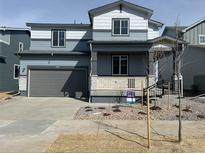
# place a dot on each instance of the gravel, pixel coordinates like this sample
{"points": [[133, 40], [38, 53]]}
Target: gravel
{"points": [[191, 110]]}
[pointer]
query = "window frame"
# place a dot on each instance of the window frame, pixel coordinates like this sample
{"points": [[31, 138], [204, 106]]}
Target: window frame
{"points": [[21, 43], [128, 26], [58, 30], [15, 78], [119, 56], [200, 39]]}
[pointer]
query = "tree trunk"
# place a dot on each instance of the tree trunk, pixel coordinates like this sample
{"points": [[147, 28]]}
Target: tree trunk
{"points": [[179, 98]]}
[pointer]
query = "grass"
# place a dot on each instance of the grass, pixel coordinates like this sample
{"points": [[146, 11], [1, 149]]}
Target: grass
{"points": [[114, 142]]}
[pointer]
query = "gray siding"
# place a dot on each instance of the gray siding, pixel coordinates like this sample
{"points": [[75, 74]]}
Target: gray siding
{"points": [[7, 82], [119, 48], [193, 68], [43, 60], [166, 68], [193, 71], [107, 35], [71, 45], [192, 35], [137, 64]]}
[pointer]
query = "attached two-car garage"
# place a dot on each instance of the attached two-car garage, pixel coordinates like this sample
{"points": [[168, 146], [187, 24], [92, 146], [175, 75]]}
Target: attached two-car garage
{"points": [[58, 83]]}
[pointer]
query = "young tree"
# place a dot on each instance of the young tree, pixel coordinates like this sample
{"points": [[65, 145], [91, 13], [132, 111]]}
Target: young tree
{"points": [[178, 55]]}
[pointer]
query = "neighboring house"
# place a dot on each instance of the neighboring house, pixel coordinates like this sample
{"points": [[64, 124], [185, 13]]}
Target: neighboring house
{"points": [[101, 60], [12, 40], [193, 63]]}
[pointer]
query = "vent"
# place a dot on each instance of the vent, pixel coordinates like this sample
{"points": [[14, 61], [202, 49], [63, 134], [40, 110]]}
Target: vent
{"points": [[131, 83]]}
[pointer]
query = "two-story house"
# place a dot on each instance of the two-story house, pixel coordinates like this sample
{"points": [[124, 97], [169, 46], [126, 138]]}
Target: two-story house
{"points": [[12, 40], [193, 63], [101, 60]]}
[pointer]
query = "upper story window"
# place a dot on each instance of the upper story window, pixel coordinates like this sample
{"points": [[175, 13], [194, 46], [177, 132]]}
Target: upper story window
{"points": [[120, 65], [20, 46], [120, 27], [201, 39], [58, 38]]}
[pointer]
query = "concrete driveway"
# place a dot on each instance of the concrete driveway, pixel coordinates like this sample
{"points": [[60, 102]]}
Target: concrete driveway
{"points": [[32, 124], [23, 121]]}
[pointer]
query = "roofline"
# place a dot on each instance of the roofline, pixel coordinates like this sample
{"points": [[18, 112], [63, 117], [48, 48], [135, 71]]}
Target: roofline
{"points": [[58, 24], [160, 24], [14, 28], [121, 42], [93, 11], [168, 37], [40, 52], [194, 24]]}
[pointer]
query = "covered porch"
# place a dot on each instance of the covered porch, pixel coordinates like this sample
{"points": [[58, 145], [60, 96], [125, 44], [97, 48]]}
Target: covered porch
{"points": [[118, 67]]}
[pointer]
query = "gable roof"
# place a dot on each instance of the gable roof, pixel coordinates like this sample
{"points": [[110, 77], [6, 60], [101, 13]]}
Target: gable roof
{"points": [[159, 24], [169, 38], [171, 31], [57, 25], [92, 12], [193, 25], [14, 28]]}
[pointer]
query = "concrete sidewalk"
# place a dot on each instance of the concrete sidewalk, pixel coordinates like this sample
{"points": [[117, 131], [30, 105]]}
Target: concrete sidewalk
{"points": [[33, 124], [41, 140]]}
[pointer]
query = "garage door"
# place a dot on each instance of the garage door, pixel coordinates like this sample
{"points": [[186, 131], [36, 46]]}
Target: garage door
{"points": [[58, 83]]}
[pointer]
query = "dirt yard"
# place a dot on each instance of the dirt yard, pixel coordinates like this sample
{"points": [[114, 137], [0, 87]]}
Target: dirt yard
{"points": [[191, 110], [118, 142], [4, 95]]}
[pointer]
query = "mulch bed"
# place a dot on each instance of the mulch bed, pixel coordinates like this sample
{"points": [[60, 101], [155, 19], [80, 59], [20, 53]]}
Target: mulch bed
{"points": [[191, 110]]}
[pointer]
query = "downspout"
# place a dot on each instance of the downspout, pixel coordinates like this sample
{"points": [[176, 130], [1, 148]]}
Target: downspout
{"points": [[90, 75]]}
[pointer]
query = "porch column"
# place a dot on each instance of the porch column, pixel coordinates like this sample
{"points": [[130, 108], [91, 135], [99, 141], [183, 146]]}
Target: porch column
{"points": [[151, 71], [93, 73], [177, 72]]}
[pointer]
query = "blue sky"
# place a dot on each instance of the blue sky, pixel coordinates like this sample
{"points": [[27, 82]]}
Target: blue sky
{"points": [[16, 13]]}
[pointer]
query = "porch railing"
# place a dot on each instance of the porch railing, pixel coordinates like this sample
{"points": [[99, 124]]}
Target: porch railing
{"points": [[119, 83]]}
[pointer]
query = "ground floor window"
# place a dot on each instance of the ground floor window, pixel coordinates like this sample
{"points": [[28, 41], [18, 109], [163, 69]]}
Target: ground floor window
{"points": [[16, 71], [120, 65]]}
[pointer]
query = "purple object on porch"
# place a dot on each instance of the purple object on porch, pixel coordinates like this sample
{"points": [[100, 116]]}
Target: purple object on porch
{"points": [[130, 94]]}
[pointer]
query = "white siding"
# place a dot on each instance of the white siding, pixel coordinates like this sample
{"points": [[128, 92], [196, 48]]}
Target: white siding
{"points": [[104, 21], [70, 34], [40, 34], [153, 32], [23, 83]]}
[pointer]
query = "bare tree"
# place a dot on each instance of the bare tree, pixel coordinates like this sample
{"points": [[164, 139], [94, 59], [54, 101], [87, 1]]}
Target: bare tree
{"points": [[178, 55]]}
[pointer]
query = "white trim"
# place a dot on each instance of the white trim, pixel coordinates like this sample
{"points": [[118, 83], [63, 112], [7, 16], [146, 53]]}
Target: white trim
{"points": [[128, 26], [194, 24], [15, 78], [21, 43], [8, 43], [120, 64], [14, 28], [28, 83], [58, 31], [200, 39]]}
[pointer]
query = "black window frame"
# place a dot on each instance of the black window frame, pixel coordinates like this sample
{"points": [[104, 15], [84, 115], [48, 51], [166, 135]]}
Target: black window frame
{"points": [[18, 71], [121, 19], [120, 62], [58, 42]]}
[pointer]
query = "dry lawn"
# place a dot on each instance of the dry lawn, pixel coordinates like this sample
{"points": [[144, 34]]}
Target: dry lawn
{"points": [[116, 142], [6, 94]]}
